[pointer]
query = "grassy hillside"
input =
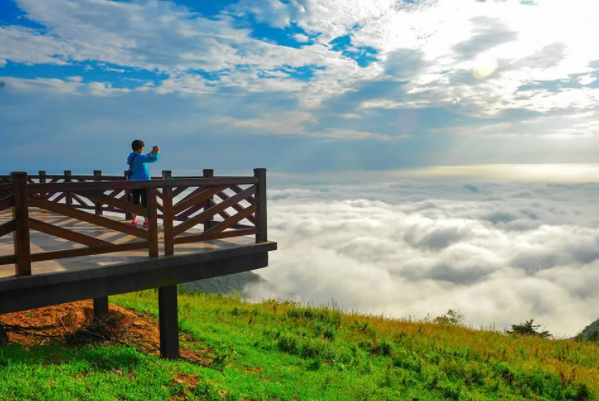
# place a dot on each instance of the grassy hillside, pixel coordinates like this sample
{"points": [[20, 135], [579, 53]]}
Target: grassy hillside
{"points": [[228, 284], [282, 351]]}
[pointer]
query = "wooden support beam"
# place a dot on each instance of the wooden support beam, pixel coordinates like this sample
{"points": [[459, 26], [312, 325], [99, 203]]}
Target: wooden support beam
{"points": [[21, 239], [167, 216], [168, 322], [100, 307], [127, 195], [152, 213], [208, 173], [42, 180], [261, 224], [68, 178], [98, 204]]}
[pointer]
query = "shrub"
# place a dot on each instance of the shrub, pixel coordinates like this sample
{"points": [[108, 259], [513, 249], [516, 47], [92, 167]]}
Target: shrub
{"points": [[528, 329], [451, 318]]}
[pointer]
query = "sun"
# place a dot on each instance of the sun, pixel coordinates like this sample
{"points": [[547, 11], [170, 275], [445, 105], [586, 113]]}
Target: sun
{"points": [[484, 66]]}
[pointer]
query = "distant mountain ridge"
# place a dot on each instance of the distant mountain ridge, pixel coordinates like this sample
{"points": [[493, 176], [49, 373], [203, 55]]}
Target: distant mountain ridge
{"points": [[225, 285], [592, 330]]}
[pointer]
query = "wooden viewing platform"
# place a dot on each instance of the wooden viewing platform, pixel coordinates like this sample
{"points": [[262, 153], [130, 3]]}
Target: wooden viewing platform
{"points": [[71, 241]]}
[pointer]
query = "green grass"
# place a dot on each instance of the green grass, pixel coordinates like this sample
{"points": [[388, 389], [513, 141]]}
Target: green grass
{"points": [[283, 351]]}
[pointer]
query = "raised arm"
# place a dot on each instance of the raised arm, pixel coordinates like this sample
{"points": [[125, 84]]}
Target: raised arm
{"points": [[149, 158]]}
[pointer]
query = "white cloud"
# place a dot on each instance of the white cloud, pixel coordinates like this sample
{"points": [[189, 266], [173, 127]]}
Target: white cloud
{"points": [[586, 79], [501, 253], [300, 37], [44, 85], [70, 86], [350, 134], [294, 123], [104, 89], [430, 46], [155, 35], [24, 45], [291, 122]]}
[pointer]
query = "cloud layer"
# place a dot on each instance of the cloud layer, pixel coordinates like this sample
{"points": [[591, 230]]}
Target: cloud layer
{"points": [[501, 252]]}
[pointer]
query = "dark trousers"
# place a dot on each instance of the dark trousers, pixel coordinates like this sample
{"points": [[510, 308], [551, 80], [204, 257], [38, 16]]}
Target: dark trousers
{"points": [[140, 196]]}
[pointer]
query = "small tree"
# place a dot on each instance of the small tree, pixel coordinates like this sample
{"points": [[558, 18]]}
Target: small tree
{"points": [[451, 318], [528, 329]]}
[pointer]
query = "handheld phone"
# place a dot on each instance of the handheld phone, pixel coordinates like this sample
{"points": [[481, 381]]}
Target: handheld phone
{"points": [[155, 147]]}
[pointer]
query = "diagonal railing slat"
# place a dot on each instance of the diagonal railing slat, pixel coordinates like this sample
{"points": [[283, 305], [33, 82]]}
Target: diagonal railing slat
{"points": [[7, 202], [89, 218], [66, 234], [116, 203], [194, 199], [7, 228], [237, 206], [59, 198], [221, 226], [114, 193], [179, 191], [191, 194], [185, 215], [207, 214], [79, 200], [237, 189]]}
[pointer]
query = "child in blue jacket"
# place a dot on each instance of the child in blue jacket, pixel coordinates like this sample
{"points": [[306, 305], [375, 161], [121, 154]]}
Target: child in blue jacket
{"points": [[138, 170]]}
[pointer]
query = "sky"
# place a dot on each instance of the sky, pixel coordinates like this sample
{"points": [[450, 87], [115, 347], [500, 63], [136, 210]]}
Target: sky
{"points": [[422, 154], [298, 85]]}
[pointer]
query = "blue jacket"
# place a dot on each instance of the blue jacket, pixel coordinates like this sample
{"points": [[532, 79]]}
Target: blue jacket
{"points": [[140, 165]]}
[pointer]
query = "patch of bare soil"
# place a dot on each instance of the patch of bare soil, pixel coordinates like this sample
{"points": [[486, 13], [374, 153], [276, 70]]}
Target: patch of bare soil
{"points": [[74, 324]]}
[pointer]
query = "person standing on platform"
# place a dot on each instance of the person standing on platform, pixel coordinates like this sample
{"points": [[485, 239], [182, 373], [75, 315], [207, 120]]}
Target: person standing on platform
{"points": [[138, 170]]}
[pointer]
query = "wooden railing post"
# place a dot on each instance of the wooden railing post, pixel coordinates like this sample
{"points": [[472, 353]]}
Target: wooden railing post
{"points": [[67, 178], [21, 216], [153, 222], [208, 173], [168, 216], [98, 204], [261, 224], [127, 197], [43, 180]]}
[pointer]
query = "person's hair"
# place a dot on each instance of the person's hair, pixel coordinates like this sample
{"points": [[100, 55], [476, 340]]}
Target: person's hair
{"points": [[137, 145]]}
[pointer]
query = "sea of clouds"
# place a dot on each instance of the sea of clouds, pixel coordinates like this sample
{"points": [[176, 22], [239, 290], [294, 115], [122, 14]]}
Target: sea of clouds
{"points": [[501, 252]]}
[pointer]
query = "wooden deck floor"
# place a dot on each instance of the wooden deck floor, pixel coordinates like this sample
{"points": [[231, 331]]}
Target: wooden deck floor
{"points": [[42, 242]]}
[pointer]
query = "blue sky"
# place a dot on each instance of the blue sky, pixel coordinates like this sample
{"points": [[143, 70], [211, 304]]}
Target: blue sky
{"points": [[297, 85]]}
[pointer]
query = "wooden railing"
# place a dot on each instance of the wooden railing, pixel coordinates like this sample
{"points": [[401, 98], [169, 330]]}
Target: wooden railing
{"points": [[223, 206]]}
